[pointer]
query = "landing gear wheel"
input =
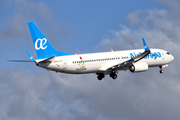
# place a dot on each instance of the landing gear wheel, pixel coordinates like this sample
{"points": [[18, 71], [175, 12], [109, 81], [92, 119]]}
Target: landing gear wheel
{"points": [[113, 75], [161, 71], [100, 76]]}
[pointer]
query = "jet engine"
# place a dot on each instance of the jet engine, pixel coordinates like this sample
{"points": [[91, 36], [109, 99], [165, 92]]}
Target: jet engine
{"points": [[139, 67]]}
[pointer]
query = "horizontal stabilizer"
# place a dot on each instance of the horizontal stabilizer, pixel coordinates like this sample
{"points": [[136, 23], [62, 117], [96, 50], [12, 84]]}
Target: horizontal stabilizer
{"points": [[20, 61], [30, 56]]}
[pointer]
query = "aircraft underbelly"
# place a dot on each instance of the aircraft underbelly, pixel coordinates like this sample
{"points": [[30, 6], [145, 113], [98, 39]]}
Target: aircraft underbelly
{"points": [[154, 62], [74, 69]]}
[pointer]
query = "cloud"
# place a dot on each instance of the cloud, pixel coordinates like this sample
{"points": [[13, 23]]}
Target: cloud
{"points": [[14, 32], [173, 6], [160, 30], [154, 25], [25, 94], [20, 12]]}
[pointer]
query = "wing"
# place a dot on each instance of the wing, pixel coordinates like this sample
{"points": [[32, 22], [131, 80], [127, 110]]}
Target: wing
{"points": [[129, 63]]}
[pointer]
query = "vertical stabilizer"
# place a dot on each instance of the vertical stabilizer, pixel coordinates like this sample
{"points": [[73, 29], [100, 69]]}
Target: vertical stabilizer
{"points": [[42, 46]]}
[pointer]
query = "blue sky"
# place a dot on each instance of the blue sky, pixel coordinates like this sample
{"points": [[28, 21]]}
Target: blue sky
{"points": [[28, 92], [92, 20], [81, 22]]}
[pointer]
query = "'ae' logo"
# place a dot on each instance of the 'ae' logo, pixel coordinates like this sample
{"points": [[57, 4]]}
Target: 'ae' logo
{"points": [[40, 44]]}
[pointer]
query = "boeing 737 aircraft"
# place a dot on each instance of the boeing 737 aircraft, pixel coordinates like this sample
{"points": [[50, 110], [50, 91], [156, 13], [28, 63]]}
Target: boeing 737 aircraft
{"points": [[104, 63]]}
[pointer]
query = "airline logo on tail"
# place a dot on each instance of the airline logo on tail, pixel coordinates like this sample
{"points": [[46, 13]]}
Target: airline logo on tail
{"points": [[40, 44]]}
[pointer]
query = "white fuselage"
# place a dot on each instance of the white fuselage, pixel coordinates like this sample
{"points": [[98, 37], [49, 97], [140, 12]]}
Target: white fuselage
{"points": [[99, 62]]}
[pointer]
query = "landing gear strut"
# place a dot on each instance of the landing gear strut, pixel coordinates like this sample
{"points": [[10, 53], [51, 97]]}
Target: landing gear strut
{"points": [[113, 75], [100, 76], [161, 70]]}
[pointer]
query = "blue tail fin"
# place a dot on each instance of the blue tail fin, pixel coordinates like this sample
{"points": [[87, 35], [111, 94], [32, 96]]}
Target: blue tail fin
{"points": [[42, 46]]}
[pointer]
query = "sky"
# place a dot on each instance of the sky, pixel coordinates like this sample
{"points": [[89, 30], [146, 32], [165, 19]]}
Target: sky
{"points": [[28, 92]]}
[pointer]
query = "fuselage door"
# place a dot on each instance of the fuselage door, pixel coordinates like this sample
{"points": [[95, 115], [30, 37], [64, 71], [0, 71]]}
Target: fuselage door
{"points": [[163, 56], [119, 58], [65, 64]]}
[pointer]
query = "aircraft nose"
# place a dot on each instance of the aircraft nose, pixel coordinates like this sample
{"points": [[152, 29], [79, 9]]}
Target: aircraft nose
{"points": [[172, 57]]}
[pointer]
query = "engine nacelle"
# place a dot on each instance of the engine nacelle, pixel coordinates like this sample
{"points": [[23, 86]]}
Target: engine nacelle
{"points": [[139, 67]]}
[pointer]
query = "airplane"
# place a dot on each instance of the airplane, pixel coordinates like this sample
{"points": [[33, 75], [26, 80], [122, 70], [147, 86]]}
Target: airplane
{"points": [[103, 63]]}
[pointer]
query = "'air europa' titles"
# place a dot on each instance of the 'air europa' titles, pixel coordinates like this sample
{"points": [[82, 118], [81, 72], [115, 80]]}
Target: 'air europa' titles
{"points": [[153, 55]]}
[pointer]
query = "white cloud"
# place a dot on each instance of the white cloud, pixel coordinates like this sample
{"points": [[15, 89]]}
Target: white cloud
{"points": [[20, 12], [25, 94], [156, 26]]}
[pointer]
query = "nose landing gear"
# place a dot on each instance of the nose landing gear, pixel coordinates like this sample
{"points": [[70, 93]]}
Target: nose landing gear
{"points": [[161, 71]]}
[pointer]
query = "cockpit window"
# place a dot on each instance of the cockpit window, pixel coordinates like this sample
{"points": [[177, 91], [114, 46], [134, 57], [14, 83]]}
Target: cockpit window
{"points": [[168, 53]]}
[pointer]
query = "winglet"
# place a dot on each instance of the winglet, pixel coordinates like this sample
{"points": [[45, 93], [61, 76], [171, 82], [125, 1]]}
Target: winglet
{"points": [[145, 46], [30, 56]]}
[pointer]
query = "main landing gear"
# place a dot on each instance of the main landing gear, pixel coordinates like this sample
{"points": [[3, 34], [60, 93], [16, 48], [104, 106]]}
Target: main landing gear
{"points": [[100, 76], [113, 75], [161, 70]]}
